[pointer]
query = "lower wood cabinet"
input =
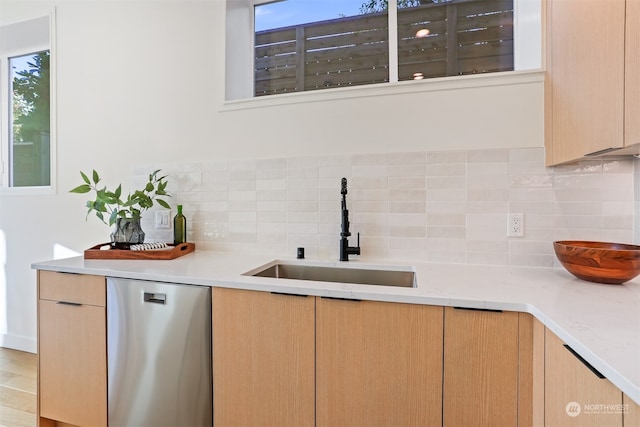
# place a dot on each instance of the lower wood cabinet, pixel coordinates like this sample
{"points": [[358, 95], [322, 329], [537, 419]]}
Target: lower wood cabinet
{"points": [[378, 364], [296, 360], [489, 370], [263, 359], [631, 416], [291, 360], [72, 353], [285, 360], [575, 395]]}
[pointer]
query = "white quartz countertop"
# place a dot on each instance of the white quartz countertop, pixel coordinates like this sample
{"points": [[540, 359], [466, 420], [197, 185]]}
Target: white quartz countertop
{"points": [[600, 322]]}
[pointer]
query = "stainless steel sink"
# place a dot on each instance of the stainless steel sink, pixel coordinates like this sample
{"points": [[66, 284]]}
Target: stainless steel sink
{"points": [[403, 277]]}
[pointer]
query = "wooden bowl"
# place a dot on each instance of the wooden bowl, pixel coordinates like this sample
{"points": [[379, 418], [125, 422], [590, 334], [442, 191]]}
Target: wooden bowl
{"points": [[600, 262]]}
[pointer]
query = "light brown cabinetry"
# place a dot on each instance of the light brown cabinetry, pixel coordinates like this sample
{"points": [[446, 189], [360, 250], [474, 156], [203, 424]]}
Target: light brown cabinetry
{"points": [[574, 394], [632, 73], [592, 89], [72, 354], [489, 373], [378, 363], [291, 360], [631, 416], [263, 359], [530, 371], [296, 360]]}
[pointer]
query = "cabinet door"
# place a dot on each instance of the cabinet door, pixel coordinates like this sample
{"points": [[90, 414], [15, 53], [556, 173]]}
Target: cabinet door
{"points": [[72, 363], [480, 368], [631, 412], [263, 359], [571, 387], [584, 99], [378, 364], [530, 371], [632, 74]]}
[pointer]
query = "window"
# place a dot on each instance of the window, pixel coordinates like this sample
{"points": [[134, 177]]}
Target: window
{"points": [[434, 39], [305, 45], [298, 48], [29, 131], [26, 89]]}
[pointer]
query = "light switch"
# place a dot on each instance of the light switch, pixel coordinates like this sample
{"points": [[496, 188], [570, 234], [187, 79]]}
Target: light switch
{"points": [[162, 219]]}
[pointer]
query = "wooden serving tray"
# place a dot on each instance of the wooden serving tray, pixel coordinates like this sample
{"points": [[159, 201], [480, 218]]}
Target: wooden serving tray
{"points": [[170, 252]]}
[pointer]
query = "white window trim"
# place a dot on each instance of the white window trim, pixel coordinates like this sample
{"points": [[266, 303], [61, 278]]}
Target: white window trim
{"points": [[503, 78], [5, 189]]}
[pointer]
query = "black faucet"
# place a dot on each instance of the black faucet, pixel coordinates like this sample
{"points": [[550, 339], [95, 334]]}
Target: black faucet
{"points": [[345, 249]]}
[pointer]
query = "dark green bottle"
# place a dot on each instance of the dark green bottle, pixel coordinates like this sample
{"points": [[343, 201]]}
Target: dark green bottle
{"points": [[179, 227]]}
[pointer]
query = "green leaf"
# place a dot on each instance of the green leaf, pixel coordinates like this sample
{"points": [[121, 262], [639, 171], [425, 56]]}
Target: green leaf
{"points": [[118, 191], [149, 187], [99, 206], [96, 177], [145, 201], [131, 199], [81, 189], [163, 203], [110, 199], [85, 178]]}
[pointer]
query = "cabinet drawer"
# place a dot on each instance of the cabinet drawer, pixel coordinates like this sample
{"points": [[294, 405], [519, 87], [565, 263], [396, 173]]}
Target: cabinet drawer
{"points": [[74, 288], [72, 364]]}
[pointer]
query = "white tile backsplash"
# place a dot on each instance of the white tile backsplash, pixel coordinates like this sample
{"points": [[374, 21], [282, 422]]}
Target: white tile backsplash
{"points": [[448, 206]]}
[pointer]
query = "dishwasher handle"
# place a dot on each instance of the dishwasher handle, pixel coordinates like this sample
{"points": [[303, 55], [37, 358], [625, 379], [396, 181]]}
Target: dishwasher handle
{"points": [[155, 298]]}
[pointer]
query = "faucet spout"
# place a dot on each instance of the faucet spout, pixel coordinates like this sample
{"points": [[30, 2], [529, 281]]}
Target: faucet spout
{"points": [[345, 249]]}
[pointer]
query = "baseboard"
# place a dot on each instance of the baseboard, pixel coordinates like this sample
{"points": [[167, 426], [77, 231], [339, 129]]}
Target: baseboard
{"points": [[19, 342]]}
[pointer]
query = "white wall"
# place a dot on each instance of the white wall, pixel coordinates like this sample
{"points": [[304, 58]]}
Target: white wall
{"points": [[142, 82]]}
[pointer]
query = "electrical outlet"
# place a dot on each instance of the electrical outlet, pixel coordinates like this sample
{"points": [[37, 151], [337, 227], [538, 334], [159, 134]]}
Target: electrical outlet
{"points": [[162, 219], [515, 225]]}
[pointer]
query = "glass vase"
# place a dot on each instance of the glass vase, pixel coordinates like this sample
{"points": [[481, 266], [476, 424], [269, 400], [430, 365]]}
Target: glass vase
{"points": [[127, 232]]}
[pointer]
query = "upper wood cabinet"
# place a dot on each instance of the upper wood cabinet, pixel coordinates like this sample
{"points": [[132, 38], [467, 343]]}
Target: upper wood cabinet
{"points": [[592, 89], [263, 359], [378, 363], [632, 73], [72, 350]]}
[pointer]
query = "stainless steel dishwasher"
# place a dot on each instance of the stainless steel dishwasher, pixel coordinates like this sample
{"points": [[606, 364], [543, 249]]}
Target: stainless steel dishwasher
{"points": [[159, 354]]}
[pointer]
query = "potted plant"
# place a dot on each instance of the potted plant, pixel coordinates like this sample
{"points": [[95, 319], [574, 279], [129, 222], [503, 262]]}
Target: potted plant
{"points": [[123, 213]]}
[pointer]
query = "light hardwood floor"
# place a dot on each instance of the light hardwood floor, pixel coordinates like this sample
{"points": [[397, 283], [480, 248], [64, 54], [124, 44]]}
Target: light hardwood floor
{"points": [[17, 388]]}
